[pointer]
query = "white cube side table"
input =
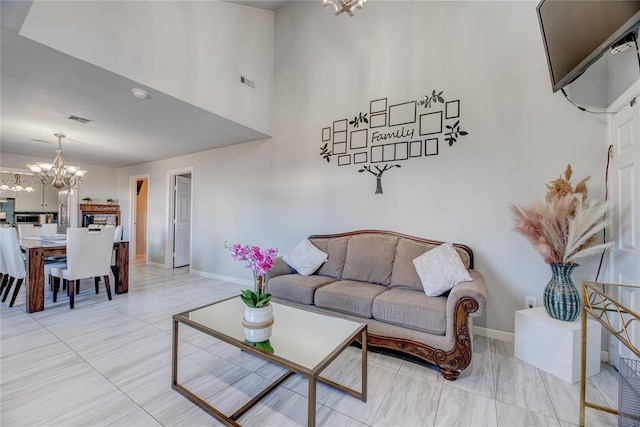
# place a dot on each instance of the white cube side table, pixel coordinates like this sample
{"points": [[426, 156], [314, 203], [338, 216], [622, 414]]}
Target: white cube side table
{"points": [[554, 346]]}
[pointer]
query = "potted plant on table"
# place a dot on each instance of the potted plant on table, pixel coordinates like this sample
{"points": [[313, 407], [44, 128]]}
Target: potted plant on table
{"points": [[258, 316], [563, 229]]}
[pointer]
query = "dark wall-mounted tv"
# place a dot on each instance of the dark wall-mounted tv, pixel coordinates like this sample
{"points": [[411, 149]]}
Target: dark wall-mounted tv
{"points": [[576, 33]]}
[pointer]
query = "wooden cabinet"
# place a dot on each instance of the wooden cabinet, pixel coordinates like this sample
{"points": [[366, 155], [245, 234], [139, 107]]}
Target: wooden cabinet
{"points": [[50, 199], [44, 198], [100, 214], [30, 201]]}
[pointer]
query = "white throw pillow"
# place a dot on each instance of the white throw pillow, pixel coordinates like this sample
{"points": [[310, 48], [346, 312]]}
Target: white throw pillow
{"points": [[440, 269], [305, 258]]}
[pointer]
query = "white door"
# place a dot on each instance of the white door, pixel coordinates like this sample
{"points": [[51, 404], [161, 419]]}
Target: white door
{"points": [[625, 138], [182, 222]]}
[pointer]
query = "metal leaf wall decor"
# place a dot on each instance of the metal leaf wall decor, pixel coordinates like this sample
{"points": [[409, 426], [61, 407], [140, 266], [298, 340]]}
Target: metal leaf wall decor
{"points": [[379, 139]]}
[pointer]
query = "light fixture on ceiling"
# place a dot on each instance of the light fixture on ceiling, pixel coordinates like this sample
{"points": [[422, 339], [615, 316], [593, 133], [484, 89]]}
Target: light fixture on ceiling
{"points": [[17, 185], [139, 93], [348, 6], [57, 173]]}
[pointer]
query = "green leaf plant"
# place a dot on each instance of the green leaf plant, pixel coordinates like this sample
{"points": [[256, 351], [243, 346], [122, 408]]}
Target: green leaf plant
{"points": [[254, 299]]}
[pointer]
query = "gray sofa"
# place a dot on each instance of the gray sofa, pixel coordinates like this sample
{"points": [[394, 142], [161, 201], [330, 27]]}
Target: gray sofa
{"points": [[369, 277]]}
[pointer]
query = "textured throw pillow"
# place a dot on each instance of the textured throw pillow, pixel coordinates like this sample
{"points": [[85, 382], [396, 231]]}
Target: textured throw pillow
{"points": [[305, 258], [440, 269]]}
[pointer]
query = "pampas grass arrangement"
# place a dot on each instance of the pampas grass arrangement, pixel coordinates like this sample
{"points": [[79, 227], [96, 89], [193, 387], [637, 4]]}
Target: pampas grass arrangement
{"points": [[563, 228]]}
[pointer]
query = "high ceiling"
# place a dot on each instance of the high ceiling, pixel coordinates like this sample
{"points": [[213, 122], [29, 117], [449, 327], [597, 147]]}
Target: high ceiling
{"points": [[41, 86]]}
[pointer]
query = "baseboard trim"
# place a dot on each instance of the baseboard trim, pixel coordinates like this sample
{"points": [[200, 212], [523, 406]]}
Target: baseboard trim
{"points": [[247, 283], [493, 333]]}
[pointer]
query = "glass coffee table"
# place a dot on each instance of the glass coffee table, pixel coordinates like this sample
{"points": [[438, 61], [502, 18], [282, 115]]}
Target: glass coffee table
{"points": [[302, 342]]}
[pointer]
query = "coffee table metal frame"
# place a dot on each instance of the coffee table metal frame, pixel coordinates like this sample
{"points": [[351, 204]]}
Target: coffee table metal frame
{"points": [[312, 375]]}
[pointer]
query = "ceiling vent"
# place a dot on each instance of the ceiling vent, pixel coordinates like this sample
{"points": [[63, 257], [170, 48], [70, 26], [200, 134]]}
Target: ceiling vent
{"points": [[78, 119], [41, 141]]}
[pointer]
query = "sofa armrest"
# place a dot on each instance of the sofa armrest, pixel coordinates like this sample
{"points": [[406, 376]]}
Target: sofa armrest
{"points": [[279, 268], [476, 289]]}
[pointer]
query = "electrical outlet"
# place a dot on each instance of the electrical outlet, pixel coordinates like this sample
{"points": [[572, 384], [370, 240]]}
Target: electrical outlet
{"points": [[529, 302]]}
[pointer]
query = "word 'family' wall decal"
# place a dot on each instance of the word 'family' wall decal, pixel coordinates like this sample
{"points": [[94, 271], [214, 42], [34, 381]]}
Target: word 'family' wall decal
{"points": [[392, 133]]}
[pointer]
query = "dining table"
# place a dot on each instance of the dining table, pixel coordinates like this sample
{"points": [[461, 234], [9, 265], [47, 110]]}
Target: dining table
{"points": [[38, 249]]}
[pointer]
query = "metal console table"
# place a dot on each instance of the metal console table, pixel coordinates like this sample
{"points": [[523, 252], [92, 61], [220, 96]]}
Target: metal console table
{"points": [[616, 318]]}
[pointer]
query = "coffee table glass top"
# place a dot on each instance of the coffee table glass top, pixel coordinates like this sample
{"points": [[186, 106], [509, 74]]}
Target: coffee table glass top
{"points": [[299, 336]]}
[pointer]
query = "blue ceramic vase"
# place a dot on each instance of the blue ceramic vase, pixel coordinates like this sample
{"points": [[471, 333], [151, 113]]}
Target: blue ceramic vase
{"points": [[561, 298]]}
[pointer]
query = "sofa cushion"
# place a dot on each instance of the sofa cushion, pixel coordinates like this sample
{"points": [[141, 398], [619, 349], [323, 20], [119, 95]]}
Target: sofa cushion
{"points": [[350, 297], [336, 249], [404, 273], [297, 288], [411, 309], [370, 258], [440, 269], [305, 258]]}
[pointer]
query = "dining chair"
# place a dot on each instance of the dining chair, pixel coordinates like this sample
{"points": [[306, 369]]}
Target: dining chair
{"points": [[117, 236], [36, 230], [27, 230], [117, 233], [48, 229], [88, 256], [13, 262], [4, 274], [33, 230]]}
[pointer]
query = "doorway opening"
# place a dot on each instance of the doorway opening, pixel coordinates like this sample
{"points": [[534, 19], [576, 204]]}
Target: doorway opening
{"points": [[139, 186], [142, 188], [180, 218]]}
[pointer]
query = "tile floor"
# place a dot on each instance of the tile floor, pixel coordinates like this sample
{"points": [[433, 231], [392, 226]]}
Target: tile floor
{"points": [[109, 363]]}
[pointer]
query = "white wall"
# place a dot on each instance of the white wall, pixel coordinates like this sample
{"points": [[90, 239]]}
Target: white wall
{"points": [[521, 135], [192, 50], [100, 183]]}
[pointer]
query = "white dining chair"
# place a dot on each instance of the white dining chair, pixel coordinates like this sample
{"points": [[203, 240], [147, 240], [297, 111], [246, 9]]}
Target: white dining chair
{"points": [[27, 230], [117, 236], [3, 271], [13, 262], [117, 233], [48, 229], [33, 230], [88, 256]]}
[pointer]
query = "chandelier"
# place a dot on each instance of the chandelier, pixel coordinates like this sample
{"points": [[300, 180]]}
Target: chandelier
{"points": [[348, 6], [57, 173], [17, 185]]}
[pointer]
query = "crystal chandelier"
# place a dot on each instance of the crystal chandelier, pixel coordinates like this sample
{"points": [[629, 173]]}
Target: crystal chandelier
{"points": [[17, 185], [57, 173], [348, 6]]}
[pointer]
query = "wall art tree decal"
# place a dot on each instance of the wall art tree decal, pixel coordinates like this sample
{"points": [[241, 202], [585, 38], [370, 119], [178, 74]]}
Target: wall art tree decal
{"points": [[435, 98], [454, 133], [378, 174], [360, 118], [325, 152], [387, 134]]}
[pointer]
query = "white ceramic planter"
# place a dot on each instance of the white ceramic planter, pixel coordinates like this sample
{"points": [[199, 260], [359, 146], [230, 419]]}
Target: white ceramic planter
{"points": [[258, 335], [258, 315], [258, 323]]}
